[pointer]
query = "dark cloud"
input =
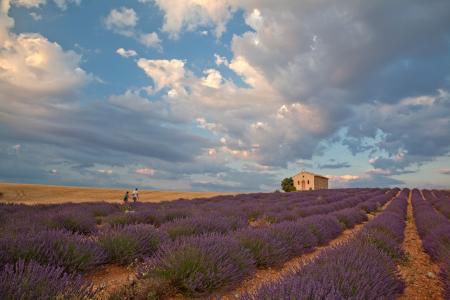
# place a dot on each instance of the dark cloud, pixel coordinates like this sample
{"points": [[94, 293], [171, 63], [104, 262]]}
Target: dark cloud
{"points": [[368, 180], [238, 181], [103, 129], [336, 165]]}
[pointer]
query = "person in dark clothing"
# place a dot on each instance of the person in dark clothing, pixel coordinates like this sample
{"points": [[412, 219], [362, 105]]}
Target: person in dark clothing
{"points": [[125, 198]]}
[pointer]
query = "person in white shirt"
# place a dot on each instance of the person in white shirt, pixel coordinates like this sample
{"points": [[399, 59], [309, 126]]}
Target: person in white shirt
{"points": [[135, 195]]}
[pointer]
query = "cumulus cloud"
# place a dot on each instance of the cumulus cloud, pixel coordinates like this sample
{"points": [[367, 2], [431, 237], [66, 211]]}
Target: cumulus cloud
{"points": [[122, 20], [150, 40], [333, 70], [165, 73], [34, 71], [221, 60], [30, 62], [126, 53], [28, 3], [39, 85], [192, 14], [212, 79], [62, 4]]}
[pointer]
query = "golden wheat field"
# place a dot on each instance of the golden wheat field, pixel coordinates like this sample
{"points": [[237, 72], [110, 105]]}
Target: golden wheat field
{"points": [[49, 194]]}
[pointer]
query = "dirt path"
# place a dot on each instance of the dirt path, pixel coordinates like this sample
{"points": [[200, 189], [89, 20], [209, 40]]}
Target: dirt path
{"points": [[420, 274], [110, 277], [269, 275]]}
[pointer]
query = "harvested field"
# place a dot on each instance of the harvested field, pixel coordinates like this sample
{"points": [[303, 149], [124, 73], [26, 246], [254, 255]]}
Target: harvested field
{"points": [[49, 194]]}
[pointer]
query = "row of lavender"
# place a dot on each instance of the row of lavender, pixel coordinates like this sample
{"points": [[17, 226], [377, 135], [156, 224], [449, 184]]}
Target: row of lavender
{"points": [[440, 200], [199, 265], [83, 218], [434, 230], [75, 252], [363, 268]]}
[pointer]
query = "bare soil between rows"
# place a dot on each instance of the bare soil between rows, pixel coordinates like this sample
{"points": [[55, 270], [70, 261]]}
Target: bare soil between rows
{"points": [[109, 278], [420, 274]]}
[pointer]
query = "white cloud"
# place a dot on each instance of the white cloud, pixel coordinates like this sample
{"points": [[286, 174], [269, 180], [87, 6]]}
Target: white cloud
{"points": [[255, 19], [343, 178], [105, 171], [126, 53], [151, 40], [122, 20], [145, 171], [202, 123], [30, 62], [221, 60], [35, 74], [133, 101], [62, 4], [36, 16], [418, 101], [192, 14], [249, 74], [165, 73], [213, 79], [379, 171], [28, 3]]}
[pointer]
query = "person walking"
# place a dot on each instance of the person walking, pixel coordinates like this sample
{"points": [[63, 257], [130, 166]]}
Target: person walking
{"points": [[125, 198], [135, 195]]}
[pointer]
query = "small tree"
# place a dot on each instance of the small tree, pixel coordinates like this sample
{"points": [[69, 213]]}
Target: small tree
{"points": [[287, 184]]}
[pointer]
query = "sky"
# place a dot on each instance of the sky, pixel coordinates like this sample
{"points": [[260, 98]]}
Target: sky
{"points": [[224, 95]]}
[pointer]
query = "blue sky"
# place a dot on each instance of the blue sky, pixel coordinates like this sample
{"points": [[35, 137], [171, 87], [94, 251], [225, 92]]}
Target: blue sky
{"points": [[224, 95]]}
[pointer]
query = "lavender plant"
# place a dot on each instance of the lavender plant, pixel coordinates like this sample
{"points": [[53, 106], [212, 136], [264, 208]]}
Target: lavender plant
{"points": [[32, 281], [124, 244], [202, 224], [198, 265], [355, 270], [434, 229], [72, 252], [266, 248]]}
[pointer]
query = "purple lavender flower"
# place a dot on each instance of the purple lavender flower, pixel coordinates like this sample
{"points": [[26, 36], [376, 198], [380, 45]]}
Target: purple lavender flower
{"points": [[33, 281], [73, 252], [124, 244], [202, 224], [198, 265]]}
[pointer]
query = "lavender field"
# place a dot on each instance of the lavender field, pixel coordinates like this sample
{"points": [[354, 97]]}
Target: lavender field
{"points": [[216, 247]]}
